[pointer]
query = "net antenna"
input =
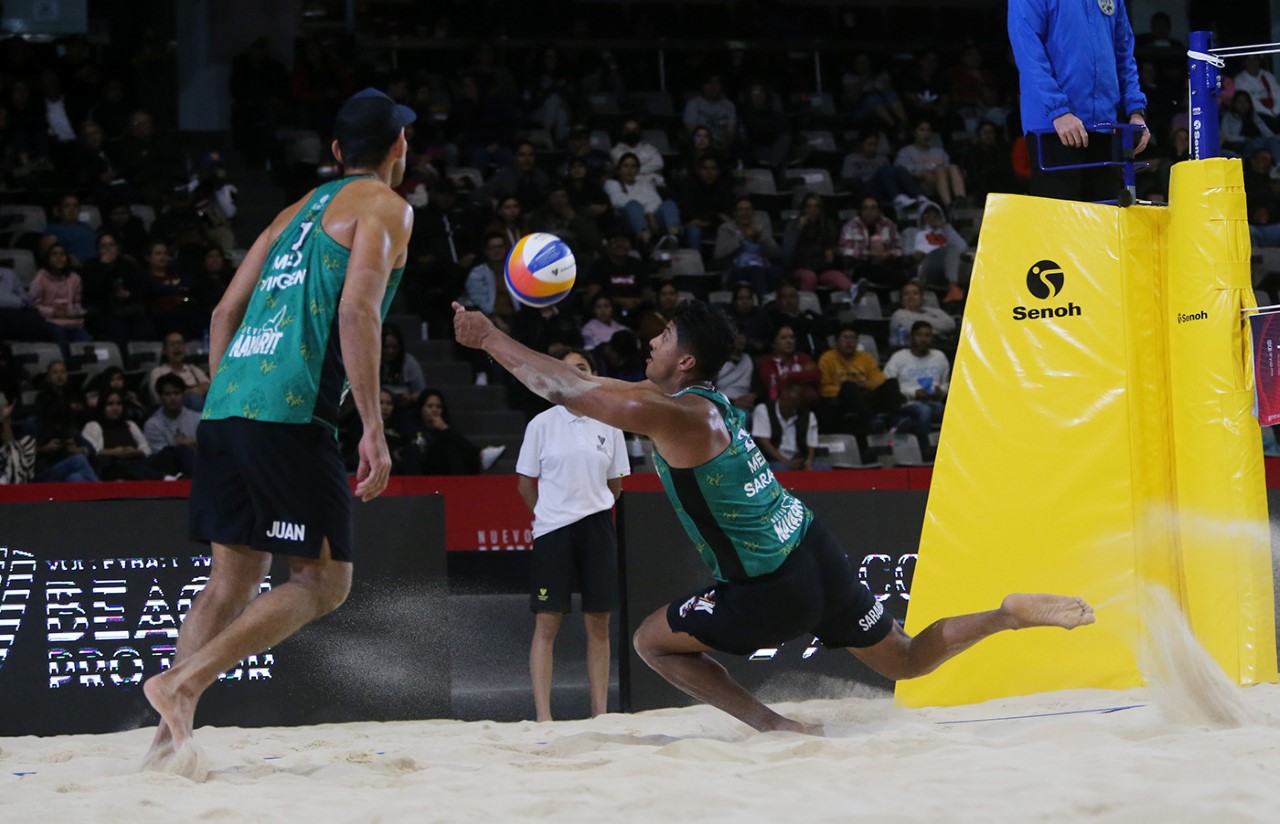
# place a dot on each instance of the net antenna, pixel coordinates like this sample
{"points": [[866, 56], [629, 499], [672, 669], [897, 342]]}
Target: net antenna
{"points": [[1204, 66]]}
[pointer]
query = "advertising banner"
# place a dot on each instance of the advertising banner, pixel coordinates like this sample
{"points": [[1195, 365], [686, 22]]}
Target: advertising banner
{"points": [[92, 596], [1265, 329]]}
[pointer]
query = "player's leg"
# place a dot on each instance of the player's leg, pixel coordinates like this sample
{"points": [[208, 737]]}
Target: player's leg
{"points": [[899, 655], [596, 557], [315, 588], [682, 660], [597, 625], [235, 576], [550, 599], [545, 628]]}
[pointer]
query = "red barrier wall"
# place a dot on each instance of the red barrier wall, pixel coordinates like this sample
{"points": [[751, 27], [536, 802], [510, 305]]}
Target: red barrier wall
{"points": [[484, 512]]}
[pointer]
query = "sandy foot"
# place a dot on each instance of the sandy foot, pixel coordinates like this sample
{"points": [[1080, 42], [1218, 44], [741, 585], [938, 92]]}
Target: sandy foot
{"points": [[1033, 610]]}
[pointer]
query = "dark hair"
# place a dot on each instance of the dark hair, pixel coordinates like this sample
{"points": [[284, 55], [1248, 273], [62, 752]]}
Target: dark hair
{"points": [[706, 332], [169, 380], [584, 354], [626, 155], [846, 327], [392, 373], [101, 409], [101, 382], [919, 324], [48, 253], [421, 400]]}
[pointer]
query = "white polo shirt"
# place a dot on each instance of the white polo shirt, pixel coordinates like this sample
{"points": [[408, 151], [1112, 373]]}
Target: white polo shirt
{"points": [[573, 459], [760, 428]]}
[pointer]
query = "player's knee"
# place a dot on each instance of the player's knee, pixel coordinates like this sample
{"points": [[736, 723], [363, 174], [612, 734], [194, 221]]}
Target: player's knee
{"points": [[329, 586], [334, 593], [643, 641]]}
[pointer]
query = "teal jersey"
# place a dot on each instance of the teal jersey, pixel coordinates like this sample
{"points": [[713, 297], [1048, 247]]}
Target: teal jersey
{"points": [[284, 363], [743, 523]]}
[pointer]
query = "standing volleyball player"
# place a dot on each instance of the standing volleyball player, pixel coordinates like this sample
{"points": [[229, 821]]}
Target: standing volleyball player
{"points": [[778, 572], [301, 318], [570, 474]]}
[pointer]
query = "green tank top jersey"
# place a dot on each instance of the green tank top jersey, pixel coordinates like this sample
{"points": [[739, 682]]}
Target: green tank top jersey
{"points": [[284, 363], [743, 523]]}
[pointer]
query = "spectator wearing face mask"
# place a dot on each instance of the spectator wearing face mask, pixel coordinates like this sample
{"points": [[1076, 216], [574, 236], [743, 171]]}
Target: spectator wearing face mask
{"points": [[630, 141]]}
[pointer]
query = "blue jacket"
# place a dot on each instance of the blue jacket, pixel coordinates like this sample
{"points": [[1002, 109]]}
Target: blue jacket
{"points": [[1072, 57]]}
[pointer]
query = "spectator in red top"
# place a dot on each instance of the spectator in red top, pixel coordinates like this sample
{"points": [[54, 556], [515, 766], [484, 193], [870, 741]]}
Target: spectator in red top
{"points": [[784, 365], [871, 246], [169, 296]]}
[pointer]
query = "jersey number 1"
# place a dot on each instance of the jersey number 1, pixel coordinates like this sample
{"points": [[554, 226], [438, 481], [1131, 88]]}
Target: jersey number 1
{"points": [[305, 226]]}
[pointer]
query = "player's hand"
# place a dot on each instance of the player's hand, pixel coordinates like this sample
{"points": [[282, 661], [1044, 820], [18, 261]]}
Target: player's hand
{"points": [[1143, 136], [470, 328], [1071, 131], [375, 465]]}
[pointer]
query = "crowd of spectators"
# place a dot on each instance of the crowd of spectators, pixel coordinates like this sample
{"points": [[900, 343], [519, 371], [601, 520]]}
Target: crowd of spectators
{"points": [[809, 210]]}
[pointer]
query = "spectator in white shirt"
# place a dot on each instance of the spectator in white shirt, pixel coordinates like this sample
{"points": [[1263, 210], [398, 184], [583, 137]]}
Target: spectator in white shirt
{"points": [[924, 376], [630, 142], [570, 474], [785, 431], [1263, 88]]}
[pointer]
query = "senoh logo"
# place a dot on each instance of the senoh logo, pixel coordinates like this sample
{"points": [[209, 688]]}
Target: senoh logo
{"points": [[1045, 280]]}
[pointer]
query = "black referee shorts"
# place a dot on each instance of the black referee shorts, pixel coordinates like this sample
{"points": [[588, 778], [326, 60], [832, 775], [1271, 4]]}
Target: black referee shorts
{"points": [[274, 487], [815, 591], [581, 556]]}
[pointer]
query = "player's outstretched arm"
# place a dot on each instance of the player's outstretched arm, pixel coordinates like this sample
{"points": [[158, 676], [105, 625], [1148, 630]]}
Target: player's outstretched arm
{"points": [[634, 407]]}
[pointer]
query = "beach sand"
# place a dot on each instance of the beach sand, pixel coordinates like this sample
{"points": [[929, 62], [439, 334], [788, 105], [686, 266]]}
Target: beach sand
{"points": [[693, 764]]}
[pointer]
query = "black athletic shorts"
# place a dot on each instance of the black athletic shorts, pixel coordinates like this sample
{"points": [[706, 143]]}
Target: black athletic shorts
{"points": [[581, 556], [274, 487], [814, 591]]}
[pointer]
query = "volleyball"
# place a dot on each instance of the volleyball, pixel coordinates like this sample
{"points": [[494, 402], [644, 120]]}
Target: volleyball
{"points": [[540, 269]]}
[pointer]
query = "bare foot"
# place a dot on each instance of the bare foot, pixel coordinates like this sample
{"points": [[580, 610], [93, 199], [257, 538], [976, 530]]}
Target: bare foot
{"points": [[1035, 610], [161, 747], [177, 711]]}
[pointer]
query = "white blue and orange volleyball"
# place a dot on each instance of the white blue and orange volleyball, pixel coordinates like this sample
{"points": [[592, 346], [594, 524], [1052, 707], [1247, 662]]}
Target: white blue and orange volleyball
{"points": [[540, 269]]}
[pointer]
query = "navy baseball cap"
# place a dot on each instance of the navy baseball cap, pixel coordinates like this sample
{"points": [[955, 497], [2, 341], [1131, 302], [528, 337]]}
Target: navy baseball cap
{"points": [[371, 115]]}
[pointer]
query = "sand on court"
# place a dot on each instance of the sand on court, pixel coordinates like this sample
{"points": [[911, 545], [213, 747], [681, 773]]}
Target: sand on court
{"points": [[690, 764]]}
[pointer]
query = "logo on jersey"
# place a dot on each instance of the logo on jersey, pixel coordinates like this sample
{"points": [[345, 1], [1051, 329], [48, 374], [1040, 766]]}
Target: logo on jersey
{"points": [[282, 281], [866, 622], [699, 603], [1108, 7], [259, 340]]}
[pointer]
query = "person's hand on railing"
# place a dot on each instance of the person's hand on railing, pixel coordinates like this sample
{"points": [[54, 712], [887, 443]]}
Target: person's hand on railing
{"points": [[1071, 131], [1144, 135]]}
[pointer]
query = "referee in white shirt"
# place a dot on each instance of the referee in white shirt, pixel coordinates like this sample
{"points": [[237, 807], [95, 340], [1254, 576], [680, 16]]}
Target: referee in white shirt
{"points": [[570, 474]]}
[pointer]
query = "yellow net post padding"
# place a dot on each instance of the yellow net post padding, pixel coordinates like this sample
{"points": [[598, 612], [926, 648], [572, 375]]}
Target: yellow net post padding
{"points": [[1099, 437]]}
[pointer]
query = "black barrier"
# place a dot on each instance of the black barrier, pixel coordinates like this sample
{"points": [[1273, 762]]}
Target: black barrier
{"points": [[92, 594], [880, 531]]}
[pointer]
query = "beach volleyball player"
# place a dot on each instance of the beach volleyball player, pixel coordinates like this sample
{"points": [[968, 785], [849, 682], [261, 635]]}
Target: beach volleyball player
{"points": [[779, 573], [300, 320]]}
